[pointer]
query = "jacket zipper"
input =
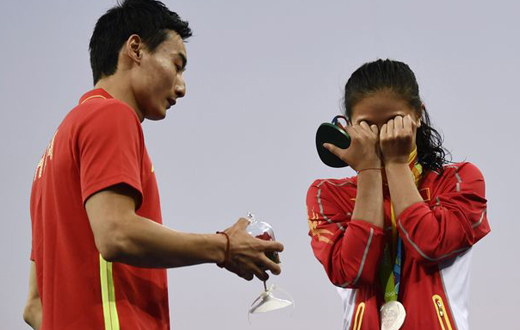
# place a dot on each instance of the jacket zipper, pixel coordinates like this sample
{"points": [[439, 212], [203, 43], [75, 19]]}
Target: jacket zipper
{"points": [[444, 320], [358, 319]]}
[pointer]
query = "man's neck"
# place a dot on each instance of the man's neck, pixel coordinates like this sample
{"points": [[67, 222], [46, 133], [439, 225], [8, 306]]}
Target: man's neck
{"points": [[120, 88]]}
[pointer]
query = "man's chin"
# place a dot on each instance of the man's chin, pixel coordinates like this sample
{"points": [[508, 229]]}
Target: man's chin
{"points": [[159, 115]]}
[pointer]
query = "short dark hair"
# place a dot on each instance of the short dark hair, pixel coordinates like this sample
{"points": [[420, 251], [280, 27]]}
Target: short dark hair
{"points": [[150, 19], [397, 77]]}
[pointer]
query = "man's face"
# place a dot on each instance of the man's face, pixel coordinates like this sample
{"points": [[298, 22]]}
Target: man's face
{"points": [[158, 81]]}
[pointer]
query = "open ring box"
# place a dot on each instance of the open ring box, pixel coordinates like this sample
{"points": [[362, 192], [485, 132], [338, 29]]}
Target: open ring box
{"points": [[333, 133]]}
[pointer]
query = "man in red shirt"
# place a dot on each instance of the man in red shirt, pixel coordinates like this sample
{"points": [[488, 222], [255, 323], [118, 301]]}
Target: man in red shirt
{"points": [[99, 248]]}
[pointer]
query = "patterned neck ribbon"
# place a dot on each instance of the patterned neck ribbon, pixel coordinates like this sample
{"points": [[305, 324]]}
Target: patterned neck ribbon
{"points": [[390, 274]]}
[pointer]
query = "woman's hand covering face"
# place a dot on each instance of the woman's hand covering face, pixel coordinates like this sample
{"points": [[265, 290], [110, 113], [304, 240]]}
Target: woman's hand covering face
{"points": [[371, 147], [397, 139], [363, 151]]}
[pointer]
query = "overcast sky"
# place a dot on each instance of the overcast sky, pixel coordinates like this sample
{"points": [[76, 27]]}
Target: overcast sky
{"points": [[262, 75]]}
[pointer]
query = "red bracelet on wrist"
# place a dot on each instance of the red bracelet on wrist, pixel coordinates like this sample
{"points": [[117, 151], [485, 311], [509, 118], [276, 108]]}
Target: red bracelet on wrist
{"points": [[226, 255], [370, 169]]}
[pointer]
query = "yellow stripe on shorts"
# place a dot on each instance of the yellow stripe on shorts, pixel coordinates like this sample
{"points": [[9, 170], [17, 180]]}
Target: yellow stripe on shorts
{"points": [[108, 295]]}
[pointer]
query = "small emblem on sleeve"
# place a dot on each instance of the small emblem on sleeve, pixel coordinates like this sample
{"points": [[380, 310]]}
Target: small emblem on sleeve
{"points": [[313, 228], [47, 156]]}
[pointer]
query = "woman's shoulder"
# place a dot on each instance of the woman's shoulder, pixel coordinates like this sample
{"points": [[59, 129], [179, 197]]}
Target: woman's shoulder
{"points": [[458, 169], [332, 195], [342, 182], [333, 188], [458, 176]]}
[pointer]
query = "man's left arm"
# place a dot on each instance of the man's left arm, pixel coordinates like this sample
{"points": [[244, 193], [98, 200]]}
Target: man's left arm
{"points": [[32, 313]]}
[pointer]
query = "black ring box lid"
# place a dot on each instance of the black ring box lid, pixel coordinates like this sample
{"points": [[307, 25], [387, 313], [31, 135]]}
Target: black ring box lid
{"points": [[329, 133]]}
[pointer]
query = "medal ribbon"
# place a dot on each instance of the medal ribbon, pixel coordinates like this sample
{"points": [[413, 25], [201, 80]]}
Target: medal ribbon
{"points": [[390, 274]]}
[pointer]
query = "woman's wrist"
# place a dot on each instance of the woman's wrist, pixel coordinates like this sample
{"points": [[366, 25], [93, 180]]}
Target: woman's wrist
{"points": [[369, 169], [391, 166], [369, 196], [368, 165], [396, 160]]}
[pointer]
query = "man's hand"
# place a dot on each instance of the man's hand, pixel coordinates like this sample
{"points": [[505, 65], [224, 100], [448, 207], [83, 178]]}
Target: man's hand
{"points": [[247, 254], [123, 236], [397, 139], [363, 151]]}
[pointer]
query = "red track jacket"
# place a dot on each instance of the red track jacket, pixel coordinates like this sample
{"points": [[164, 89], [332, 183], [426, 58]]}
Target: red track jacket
{"points": [[437, 238]]}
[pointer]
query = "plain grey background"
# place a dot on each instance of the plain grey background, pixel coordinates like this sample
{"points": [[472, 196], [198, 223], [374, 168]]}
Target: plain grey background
{"points": [[262, 75]]}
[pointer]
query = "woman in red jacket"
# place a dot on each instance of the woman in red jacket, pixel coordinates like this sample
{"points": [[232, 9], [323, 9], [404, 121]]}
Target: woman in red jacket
{"points": [[396, 239]]}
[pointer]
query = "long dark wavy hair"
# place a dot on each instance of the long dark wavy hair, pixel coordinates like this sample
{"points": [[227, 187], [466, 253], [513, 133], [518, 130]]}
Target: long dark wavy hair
{"points": [[397, 77]]}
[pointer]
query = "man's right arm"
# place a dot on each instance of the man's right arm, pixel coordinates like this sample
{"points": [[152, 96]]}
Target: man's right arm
{"points": [[123, 236]]}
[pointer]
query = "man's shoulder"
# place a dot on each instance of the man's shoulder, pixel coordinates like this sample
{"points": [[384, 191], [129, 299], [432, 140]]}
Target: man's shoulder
{"points": [[103, 107], [102, 113]]}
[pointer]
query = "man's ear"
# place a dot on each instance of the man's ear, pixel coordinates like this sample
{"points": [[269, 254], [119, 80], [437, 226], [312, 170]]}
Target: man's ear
{"points": [[134, 48]]}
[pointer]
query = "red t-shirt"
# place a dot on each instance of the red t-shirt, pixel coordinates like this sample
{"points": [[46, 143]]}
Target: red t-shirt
{"points": [[100, 143]]}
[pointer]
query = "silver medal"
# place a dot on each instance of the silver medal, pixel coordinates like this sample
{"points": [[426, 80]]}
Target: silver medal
{"points": [[392, 315]]}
